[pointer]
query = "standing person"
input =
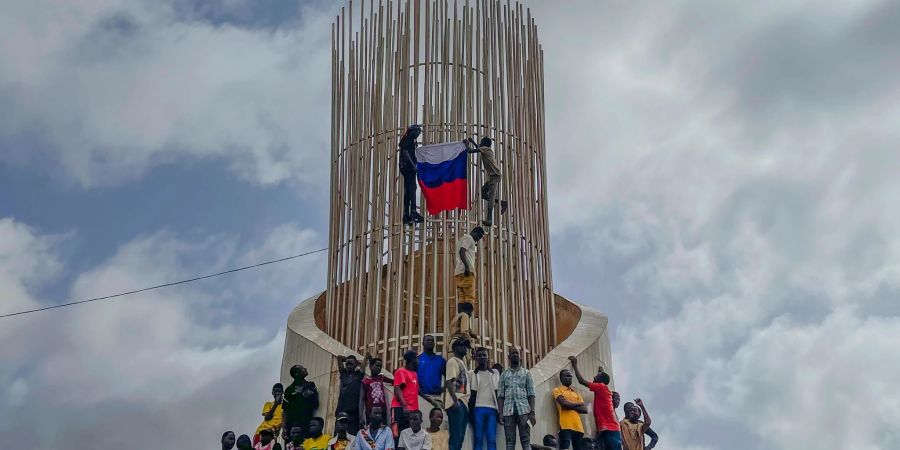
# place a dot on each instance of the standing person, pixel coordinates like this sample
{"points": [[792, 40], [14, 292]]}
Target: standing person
{"points": [[301, 400], [464, 275], [457, 393], [608, 435], [569, 405], [375, 436], [633, 428], [228, 440], [440, 439], [266, 441], [315, 438], [490, 191], [272, 412], [296, 439], [483, 401], [373, 386], [431, 372], [341, 440], [414, 437], [461, 324], [516, 401], [407, 165], [350, 393], [407, 383]]}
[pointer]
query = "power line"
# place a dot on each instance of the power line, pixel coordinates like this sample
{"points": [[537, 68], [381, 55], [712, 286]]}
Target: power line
{"points": [[122, 294]]}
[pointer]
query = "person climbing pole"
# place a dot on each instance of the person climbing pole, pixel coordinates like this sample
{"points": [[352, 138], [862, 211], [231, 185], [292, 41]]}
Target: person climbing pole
{"points": [[490, 191], [407, 166]]}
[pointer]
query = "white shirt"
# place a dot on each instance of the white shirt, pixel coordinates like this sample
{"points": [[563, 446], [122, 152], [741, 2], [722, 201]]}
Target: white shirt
{"points": [[466, 242], [414, 441], [485, 384]]}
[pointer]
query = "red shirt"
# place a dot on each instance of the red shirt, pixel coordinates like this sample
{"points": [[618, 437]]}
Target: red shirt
{"points": [[604, 416], [375, 396], [410, 391]]}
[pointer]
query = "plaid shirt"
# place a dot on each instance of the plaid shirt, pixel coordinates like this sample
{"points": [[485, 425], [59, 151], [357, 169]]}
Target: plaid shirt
{"points": [[516, 386]]}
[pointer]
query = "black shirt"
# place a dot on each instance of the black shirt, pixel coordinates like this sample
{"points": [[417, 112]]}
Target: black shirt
{"points": [[298, 408], [351, 389]]}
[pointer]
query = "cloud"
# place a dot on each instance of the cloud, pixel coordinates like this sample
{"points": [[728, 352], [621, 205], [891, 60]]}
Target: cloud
{"points": [[179, 361], [113, 88]]}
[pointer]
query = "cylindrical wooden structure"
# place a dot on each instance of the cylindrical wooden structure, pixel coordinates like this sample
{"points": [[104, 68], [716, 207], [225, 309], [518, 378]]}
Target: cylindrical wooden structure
{"points": [[461, 69]]}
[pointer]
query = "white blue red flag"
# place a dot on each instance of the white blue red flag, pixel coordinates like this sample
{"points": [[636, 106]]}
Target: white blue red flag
{"points": [[442, 176]]}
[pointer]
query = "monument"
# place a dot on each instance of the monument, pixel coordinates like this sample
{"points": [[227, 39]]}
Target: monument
{"points": [[461, 69]]}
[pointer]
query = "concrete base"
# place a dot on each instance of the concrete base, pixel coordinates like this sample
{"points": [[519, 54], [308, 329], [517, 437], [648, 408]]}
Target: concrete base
{"points": [[307, 344]]}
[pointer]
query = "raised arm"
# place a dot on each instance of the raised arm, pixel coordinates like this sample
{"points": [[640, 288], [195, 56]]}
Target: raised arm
{"points": [[578, 376], [640, 403], [654, 438]]}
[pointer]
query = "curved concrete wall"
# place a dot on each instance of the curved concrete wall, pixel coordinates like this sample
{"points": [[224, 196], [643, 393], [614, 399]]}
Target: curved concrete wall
{"points": [[307, 344]]}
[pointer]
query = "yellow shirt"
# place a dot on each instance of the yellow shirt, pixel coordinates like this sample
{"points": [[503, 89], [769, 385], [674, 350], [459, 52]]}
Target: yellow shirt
{"points": [[568, 419], [276, 421], [320, 443], [440, 440]]}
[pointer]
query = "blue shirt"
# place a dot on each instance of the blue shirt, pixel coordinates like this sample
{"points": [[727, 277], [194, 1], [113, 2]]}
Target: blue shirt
{"points": [[382, 438], [430, 373]]}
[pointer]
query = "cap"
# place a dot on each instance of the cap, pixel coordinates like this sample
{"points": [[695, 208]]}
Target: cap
{"points": [[341, 416]]}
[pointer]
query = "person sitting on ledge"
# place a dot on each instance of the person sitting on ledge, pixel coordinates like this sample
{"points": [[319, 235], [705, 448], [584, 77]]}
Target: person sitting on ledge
{"points": [[440, 439], [415, 437], [315, 439], [272, 413], [376, 436], [266, 441], [341, 440], [296, 439]]}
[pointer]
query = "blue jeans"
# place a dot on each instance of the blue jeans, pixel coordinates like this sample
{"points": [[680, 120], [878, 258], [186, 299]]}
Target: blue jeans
{"points": [[610, 439], [485, 428], [458, 416]]}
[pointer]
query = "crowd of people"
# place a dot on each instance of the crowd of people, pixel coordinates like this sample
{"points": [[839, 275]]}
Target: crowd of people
{"points": [[483, 399]]}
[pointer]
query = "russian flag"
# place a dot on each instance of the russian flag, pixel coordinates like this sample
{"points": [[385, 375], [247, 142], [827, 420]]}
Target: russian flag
{"points": [[442, 176]]}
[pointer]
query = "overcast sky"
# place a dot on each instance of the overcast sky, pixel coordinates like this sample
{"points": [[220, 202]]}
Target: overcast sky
{"points": [[725, 181]]}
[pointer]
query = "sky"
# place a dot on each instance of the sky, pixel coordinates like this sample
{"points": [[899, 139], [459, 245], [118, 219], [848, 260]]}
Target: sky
{"points": [[723, 182]]}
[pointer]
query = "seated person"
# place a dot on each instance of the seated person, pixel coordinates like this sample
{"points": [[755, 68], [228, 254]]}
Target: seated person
{"points": [[549, 443], [315, 439], [266, 440], [414, 437], [342, 439], [296, 439]]}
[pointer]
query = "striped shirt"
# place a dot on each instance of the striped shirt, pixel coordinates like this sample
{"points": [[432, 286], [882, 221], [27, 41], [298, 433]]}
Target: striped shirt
{"points": [[516, 386]]}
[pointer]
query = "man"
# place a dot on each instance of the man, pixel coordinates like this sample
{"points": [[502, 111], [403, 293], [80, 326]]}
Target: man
{"points": [[373, 386], [350, 392], [406, 394], [516, 401], [440, 439], [457, 393], [407, 165], [483, 401], [464, 275], [375, 436], [243, 443], [301, 399], [608, 435], [431, 372], [461, 324], [490, 191], [272, 412], [315, 439], [341, 440], [414, 437], [654, 438], [633, 428], [296, 439], [569, 405]]}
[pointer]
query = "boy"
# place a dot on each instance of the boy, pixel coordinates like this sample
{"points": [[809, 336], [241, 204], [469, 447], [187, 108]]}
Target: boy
{"points": [[633, 428], [266, 440], [373, 386], [414, 437], [569, 405], [296, 439], [272, 412], [375, 436], [350, 392], [608, 434], [406, 394], [440, 439], [341, 440], [315, 439]]}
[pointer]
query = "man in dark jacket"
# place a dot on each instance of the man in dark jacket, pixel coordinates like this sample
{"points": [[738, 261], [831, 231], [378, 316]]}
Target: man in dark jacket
{"points": [[407, 164], [301, 399]]}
